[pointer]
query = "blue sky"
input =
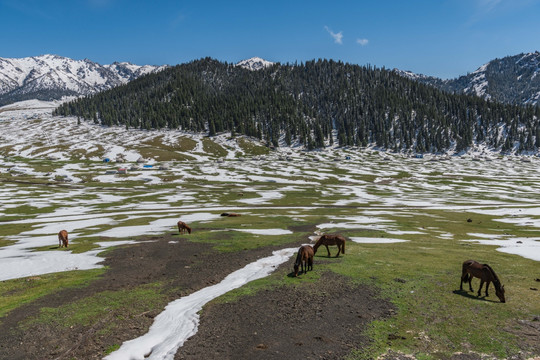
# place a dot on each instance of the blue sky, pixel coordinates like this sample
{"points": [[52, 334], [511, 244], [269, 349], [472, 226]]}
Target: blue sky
{"points": [[444, 38]]}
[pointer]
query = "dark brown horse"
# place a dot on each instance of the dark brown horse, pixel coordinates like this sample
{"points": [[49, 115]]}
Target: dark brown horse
{"points": [[486, 275], [327, 239], [304, 259], [63, 238], [230, 214], [183, 227]]}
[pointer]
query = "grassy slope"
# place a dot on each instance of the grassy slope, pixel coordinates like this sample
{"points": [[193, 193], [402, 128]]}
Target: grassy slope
{"points": [[15, 293], [422, 277]]}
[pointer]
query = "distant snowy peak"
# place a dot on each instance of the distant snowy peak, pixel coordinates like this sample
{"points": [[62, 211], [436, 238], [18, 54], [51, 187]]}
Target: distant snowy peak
{"points": [[127, 71], [411, 75], [255, 63], [49, 77]]}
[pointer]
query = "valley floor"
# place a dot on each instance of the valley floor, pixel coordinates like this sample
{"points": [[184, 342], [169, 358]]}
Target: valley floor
{"points": [[409, 223]]}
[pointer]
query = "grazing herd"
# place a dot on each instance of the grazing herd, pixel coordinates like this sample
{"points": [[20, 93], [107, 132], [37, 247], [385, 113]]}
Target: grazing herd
{"points": [[304, 259]]}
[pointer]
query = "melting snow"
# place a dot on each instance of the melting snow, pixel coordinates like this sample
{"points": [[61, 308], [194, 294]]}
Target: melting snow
{"points": [[180, 319], [265, 231], [367, 240], [528, 248]]}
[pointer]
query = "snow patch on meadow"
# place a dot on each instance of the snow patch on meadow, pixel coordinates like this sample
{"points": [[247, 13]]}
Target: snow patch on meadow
{"points": [[159, 226], [528, 248], [265, 231], [369, 240], [17, 261], [180, 319], [265, 197]]}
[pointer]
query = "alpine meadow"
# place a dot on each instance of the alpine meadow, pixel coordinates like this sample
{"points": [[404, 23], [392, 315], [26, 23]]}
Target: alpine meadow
{"points": [[366, 188]]}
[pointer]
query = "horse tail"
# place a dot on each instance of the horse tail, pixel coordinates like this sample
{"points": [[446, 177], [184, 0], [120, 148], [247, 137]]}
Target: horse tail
{"points": [[298, 257], [466, 277]]}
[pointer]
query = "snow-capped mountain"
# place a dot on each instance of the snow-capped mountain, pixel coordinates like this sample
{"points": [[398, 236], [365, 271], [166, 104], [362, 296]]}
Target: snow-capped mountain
{"points": [[414, 76], [513, 79], [255, 63], [49, 77]]}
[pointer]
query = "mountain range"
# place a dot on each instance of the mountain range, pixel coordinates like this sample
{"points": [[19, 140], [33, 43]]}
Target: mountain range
{"points": [[512, 79], [50, 77]]}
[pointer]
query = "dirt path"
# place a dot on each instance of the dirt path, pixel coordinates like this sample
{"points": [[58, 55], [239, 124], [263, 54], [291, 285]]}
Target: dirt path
{"points": [[316, 320]]}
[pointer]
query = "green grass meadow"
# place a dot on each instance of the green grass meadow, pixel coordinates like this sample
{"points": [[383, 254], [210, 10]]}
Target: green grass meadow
{"points": [[420, 277]]}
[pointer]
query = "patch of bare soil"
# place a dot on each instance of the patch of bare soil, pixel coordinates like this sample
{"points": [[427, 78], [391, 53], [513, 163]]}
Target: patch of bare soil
{"points": [[312, 320], [528, 333], [185, 266]]}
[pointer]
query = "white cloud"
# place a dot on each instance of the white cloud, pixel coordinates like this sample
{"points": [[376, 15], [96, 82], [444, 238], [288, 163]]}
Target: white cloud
{"points": [[338, 37], [362, 42]]}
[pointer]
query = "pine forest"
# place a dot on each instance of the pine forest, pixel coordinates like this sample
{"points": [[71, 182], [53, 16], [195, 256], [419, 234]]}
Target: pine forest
{"points": [[313, 104]]}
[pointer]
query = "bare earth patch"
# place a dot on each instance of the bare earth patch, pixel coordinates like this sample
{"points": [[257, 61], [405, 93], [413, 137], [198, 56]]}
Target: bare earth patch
{"points": [[323, 319], [184, 266], [312, 320]]}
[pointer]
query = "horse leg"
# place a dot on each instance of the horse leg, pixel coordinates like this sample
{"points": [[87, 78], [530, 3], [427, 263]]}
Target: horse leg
{"points": [[327, 249], [480, 288], [470, 283], [338, 250], [463, 278], [487, 285]]}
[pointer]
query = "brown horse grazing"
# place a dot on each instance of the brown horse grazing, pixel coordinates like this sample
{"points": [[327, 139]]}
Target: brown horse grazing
{"points": [[304, 259], [326, 240], [63, 238], [486, 275], [183, 227]]}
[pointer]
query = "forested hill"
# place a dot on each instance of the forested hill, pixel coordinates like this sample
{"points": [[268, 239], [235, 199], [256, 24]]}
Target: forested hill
{"points": [[303, 103]]}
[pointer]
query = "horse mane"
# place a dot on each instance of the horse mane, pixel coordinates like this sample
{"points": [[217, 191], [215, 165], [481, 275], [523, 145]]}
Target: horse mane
{"points": [[318, 243], [496, 280]]}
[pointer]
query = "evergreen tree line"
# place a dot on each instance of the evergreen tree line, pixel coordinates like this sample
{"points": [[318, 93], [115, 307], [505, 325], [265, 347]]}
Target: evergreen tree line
{"points": [[306, 102]]}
